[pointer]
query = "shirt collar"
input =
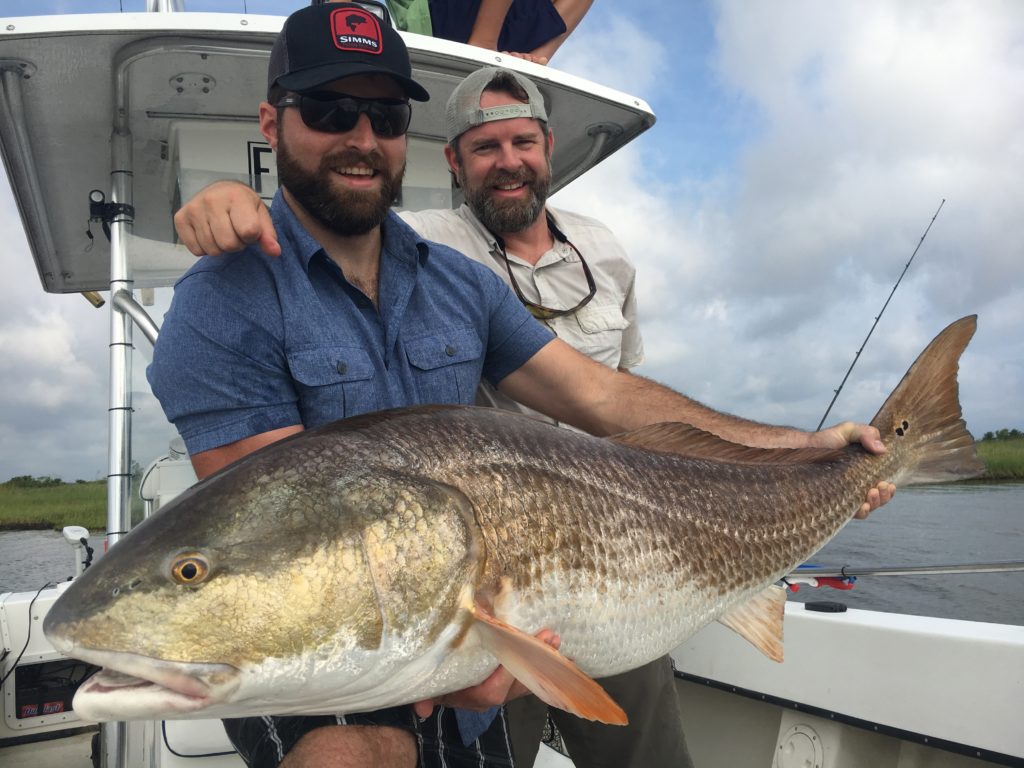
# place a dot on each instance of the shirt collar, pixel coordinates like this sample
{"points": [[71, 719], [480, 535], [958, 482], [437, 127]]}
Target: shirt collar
{"points": [[560, 251], [400, 241], [466, 214]]}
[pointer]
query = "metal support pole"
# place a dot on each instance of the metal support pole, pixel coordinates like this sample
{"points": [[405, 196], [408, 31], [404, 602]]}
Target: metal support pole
{"points": [[120, 408], [114, 735], [164, 6], [139, 316], [113, 745]]}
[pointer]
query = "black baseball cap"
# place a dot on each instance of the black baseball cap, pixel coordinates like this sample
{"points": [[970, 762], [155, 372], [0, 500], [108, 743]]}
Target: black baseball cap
{"points": [[322, 43]]}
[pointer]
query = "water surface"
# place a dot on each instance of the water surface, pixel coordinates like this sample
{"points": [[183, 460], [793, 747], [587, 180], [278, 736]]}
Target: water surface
{"points": [[935, 525]]}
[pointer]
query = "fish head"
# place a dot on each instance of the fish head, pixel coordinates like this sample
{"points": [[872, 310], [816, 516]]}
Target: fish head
{"points": [[265, 585]]}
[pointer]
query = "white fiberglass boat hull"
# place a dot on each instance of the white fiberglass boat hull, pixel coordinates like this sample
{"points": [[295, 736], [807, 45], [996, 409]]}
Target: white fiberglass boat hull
{"points": [[883, 682]]}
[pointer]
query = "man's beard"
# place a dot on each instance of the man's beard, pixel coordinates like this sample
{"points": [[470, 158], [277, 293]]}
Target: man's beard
{"points": [[343, 211], [501, 217]]}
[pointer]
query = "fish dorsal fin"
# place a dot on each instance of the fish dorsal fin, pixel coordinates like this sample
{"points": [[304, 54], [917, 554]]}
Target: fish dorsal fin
{"points": [[547, 673], [685, 440], [759, 621]]}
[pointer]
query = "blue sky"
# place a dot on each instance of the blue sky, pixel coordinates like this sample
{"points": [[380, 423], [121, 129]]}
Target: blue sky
{"points": [[801, 148]]}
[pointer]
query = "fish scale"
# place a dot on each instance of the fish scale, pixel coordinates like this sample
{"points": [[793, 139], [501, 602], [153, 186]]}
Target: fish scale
{"points": [[414, 550], [561, 521]]}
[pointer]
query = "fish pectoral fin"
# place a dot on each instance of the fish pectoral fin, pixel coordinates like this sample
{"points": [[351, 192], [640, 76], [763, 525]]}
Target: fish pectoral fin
{"points": [[759, 621], [547, 673]]}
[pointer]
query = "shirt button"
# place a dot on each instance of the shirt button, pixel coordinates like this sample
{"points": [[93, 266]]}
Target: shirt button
{"points": [[342, 367], [449, 350]]}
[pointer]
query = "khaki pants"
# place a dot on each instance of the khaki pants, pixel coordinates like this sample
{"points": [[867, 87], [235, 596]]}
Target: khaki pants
{"points": [[653, 738]]}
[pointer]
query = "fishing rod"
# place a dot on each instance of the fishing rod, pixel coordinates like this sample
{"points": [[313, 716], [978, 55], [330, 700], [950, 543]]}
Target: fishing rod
{"points": [[816, 571], [856, 357]]}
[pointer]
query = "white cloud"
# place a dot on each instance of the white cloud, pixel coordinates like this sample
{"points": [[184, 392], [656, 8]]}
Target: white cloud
{"points": [[617, 51], [756, 296], [41, 366]]}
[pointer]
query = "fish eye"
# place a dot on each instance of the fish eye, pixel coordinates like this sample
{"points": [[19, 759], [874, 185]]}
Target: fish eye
{"points": [[190, 569]]}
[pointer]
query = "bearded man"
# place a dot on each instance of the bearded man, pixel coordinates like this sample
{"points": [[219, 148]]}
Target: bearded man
{"points": [[360, 313], [571, 273]]}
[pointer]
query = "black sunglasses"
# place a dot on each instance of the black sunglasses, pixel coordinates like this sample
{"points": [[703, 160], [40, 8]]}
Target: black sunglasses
{"points": [[330, 112], [539, 310]]}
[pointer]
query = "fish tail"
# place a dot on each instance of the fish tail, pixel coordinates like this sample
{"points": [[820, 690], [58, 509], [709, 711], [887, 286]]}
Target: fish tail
{"points": [[922, 417]]}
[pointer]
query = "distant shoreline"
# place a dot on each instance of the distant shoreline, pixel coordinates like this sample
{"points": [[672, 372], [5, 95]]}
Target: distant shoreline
{"points": [[42, 525]]}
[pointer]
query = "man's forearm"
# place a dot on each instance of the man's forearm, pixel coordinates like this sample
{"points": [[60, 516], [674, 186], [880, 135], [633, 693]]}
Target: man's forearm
{"points": [[567, 386], [562, 383], [489, 19], [632, 401]]}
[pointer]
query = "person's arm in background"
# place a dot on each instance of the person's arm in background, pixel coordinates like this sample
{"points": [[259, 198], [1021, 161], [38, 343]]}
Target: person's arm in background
{"points": [[572, 13], [489, 19]]}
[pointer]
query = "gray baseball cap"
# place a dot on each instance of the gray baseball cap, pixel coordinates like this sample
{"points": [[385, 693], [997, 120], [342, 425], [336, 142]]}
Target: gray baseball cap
{"points": [[463, 110]]}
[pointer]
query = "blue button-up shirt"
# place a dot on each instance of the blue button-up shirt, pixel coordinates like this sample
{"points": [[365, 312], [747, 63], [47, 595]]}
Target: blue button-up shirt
{"points": [[253, 343]]}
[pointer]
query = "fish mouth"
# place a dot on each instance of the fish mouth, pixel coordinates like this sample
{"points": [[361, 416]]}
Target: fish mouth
{"points": [[134, 687]]}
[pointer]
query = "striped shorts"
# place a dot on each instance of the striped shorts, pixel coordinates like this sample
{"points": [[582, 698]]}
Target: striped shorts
{"points": [[262, 742]]}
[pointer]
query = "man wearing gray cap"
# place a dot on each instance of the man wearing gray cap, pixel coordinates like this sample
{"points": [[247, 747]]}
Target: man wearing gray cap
{"points": [[360, 313], [573, 275]]}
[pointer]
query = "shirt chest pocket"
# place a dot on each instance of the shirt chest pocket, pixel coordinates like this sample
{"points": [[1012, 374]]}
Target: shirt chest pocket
{"points": [[332, 383], [597, 320], [446, 366], [596, 331]]}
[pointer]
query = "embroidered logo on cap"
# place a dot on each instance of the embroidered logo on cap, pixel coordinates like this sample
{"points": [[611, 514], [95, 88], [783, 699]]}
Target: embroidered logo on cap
{"points": [[354, 29]]}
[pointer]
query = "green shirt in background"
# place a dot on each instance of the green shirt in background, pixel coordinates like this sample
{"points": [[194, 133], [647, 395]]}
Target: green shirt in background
{"points": [[411, 15]]}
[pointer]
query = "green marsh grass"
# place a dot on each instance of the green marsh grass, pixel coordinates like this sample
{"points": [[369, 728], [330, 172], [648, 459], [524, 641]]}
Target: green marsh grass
{"points": [[54, 506], [1004, 459]]}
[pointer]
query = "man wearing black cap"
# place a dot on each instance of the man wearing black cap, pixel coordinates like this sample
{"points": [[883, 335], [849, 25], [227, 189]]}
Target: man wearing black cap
{"points": [[506, 209], [359, 314]]}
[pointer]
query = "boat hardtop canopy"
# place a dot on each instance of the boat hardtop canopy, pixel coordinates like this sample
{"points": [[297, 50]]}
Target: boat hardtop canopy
{"points": [[147, 108]]}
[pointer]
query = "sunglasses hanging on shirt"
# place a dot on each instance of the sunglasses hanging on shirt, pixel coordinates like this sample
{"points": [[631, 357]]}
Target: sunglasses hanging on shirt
{"points": [[539, 310]]}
